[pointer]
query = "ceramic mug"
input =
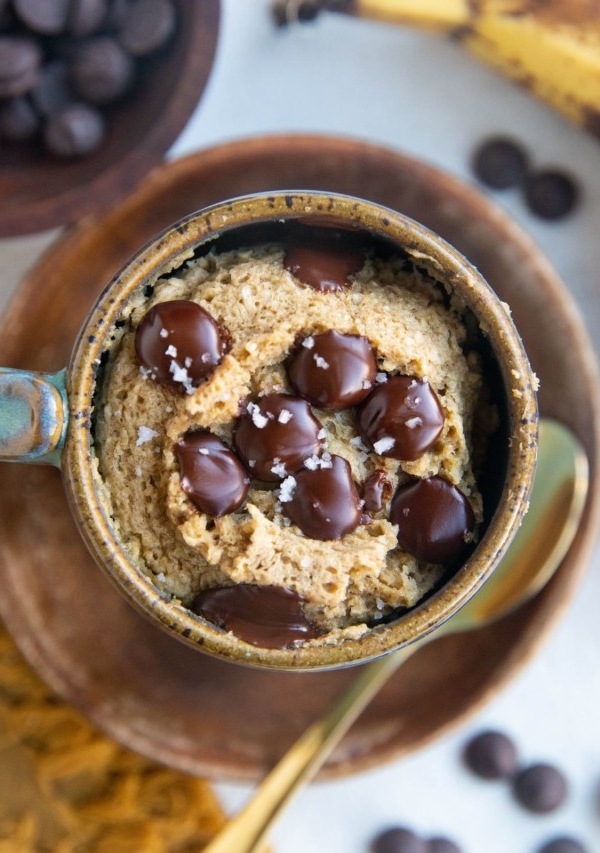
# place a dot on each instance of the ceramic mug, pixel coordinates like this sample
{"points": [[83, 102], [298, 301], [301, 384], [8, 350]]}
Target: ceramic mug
{"points": [[49, 418]]}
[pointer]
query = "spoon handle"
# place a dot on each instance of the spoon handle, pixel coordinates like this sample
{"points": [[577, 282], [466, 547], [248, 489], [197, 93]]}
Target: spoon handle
{"points": [[246, 831]]}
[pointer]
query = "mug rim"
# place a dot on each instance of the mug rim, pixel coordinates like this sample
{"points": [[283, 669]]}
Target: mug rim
{"points": [[168, 250]]}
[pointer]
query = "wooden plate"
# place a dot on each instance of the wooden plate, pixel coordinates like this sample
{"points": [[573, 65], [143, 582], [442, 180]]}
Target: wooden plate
{"points": [[145, 688]]}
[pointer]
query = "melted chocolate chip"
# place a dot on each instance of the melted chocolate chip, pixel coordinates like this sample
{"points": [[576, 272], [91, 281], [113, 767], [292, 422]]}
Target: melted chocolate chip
{"points": [[325, 268], [375, 489], [211, 474], [266, 616], [434, 519], [180, 344], [332, 370], [325, 503], [276, 435], [401, 418]]}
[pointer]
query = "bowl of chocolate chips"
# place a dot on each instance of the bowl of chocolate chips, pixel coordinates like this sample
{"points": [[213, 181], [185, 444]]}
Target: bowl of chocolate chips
{"points": [[92, 95], [300, 430]]}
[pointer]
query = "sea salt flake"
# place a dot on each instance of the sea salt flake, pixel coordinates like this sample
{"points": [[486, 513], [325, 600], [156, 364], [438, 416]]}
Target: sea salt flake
{"points": [[381, 378], [359, 443], [181, 375], [161, 577], [384, 444], [322, 434], [145, 434], [366, 384], [308, 342], [164, 333], [278, 468], [171, 351], [413, 423], [258, 419], [188, 362], [321, 362], [285, 416], [206, 358], [286, 490]]}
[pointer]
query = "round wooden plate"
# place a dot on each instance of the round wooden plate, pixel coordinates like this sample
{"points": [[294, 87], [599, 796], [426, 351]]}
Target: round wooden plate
{"points": [[146, 689]]}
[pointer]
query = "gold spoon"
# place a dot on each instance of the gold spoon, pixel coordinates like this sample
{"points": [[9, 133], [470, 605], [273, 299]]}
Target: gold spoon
{"points": [[557, 501]]}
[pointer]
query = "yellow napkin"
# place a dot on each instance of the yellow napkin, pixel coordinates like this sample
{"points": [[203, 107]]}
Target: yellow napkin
{"points": [[65, 788]]}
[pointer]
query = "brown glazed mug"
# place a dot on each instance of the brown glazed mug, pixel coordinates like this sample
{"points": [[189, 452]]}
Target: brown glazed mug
{"points": [[50, 418]]}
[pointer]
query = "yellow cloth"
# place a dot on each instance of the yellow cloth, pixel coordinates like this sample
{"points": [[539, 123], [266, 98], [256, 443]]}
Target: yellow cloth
{"points": [[66, 788]]}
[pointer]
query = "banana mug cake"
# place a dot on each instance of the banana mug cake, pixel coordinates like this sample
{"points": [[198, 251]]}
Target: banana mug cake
{"points": [[288, 436]]}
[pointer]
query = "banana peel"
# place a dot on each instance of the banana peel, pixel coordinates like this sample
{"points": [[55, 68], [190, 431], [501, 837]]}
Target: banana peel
{"points": [[551, 47]]}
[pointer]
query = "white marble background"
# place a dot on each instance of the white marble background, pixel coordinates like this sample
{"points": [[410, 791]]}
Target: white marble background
{"points": [[426, 97]]}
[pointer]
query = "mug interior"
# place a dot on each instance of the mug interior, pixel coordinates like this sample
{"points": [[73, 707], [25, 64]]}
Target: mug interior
{"points": [[506, 470]]}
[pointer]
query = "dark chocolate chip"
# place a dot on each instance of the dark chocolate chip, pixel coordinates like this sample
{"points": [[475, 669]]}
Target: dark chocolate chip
{"points": [[101, 71], [20, 61], [491, 755], [500, 163], [276, 434], [147, 25], [87, 16], [180, 344], [563, 844], [551, 194], [74, 131], [326, 268], [324, 502], [212, 476], [267, 616], [442, 845], [333, 371], [19, 121], [434, 519], [540, 788], [398, 840], [375, 490], [48, 17], [401, 418]]}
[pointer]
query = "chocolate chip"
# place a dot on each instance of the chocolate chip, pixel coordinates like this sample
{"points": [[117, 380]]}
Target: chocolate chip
{"points": [[540, 788], [401, 418], [275, 436], [326, 268], [491, 755], [324, 503], [48, 17], [376, 489], [398, 840], [101, 71], [20, 60], [87, 16], [211, 474], [500, 163], [563, 844], [19, 121], [180, 344], [266, 616], [551, 194], [74, 131], [442, 845], [434, 519], [146, 26], [333, 371]]}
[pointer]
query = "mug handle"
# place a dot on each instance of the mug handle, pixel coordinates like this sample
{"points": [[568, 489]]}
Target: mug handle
{"points": [[33, 416]]}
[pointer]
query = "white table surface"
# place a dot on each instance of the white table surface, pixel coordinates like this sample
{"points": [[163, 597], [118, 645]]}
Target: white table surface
{"points": [[423, 96]]}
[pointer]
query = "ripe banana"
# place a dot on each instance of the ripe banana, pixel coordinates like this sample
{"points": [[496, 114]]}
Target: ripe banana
{"points": [[552, 47]]}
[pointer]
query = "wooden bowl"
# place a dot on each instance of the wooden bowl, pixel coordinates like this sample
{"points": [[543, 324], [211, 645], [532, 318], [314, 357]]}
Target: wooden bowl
{"points": [[147, 689], [40, 191]]}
